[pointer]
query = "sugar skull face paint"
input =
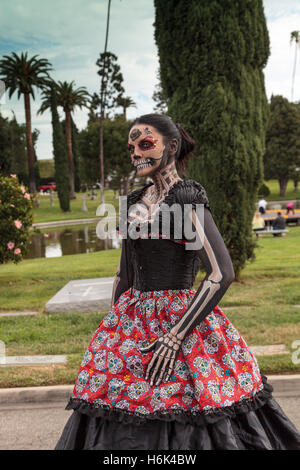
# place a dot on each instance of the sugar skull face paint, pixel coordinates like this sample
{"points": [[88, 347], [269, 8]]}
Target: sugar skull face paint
{"points": [[135, 134], [146, 147]]}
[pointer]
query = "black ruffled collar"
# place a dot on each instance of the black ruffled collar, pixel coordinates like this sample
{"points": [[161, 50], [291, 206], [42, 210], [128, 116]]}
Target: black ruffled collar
{"points": [[136, 195]]}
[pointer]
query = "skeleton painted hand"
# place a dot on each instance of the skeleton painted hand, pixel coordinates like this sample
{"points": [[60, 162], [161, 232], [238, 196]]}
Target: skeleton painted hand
{"points": [[166, 349]]}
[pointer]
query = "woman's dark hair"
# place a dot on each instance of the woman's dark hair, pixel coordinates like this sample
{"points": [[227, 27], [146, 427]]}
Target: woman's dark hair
{"points": [[170, 130]]}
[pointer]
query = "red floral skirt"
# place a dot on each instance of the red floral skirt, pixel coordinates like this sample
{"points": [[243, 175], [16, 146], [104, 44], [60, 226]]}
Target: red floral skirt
{"points": [[215, 368]]}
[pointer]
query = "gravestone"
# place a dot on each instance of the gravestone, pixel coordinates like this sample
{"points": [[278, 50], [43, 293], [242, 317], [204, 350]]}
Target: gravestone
{"points": [[84, 295], [94, 195], [51, 199], [83, 207]]}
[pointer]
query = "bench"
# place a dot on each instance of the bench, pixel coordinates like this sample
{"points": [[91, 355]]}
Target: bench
{"points": [[282, 232]]}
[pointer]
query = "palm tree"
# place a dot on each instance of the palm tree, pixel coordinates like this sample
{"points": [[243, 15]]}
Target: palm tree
{"points": [[68, 98], [295, 36], [125, 102], [21, 74]]}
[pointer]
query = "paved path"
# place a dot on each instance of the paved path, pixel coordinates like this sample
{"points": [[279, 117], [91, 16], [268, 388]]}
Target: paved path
{"points": [[33, 426], [38, 425], [46, 423]]}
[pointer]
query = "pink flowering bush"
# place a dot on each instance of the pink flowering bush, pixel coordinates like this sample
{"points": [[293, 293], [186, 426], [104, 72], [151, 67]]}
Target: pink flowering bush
{"points": [[16, 217]]}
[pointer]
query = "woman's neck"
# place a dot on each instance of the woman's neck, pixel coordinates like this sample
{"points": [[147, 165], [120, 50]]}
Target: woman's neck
{"points": [[163, 180]]}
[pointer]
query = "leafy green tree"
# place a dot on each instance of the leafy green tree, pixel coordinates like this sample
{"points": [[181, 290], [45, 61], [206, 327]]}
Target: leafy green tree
{"points": [[212, 55], [60, 157], [69, 98], [282, 155], [159, 98], [296, 173], [263, 191], [117, 162], [110, 91], [5, 147], [22, 74], [13, 154], [117, 159], [88, 142]]}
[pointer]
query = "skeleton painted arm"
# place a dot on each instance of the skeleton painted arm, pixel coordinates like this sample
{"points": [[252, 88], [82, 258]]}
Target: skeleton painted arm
{"points": [[124, 275], [219, 275]]}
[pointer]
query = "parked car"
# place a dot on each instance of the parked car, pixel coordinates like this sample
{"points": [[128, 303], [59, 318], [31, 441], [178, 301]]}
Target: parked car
{"points": [[46, 187]]}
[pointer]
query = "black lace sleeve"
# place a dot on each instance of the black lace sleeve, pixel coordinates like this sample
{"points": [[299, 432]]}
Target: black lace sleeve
{"points": [[215, 259], [124, 275], [191, 192]]}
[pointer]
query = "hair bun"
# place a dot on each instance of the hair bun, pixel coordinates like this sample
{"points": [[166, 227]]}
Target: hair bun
{"points": [[187, 143]]}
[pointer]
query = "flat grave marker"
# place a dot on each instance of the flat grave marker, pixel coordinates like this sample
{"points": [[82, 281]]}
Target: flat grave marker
{"points": [[84, 295]]}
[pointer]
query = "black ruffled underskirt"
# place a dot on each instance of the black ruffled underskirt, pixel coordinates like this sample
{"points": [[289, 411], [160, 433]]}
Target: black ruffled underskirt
{"points": [[258, 423]]}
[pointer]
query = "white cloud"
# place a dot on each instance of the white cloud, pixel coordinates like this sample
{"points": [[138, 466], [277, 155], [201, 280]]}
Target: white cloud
{"points": [[281, 21]]}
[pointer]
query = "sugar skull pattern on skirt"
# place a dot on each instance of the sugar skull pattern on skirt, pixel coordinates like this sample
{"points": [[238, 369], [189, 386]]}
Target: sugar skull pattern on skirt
{"points": [[214, 368]]}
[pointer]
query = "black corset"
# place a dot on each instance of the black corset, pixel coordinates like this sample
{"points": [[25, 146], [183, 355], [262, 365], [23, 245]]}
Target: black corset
{"points": [[163, 264]]}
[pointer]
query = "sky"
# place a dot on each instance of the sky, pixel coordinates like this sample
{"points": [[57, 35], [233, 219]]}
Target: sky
{"points": [[71, 35]]}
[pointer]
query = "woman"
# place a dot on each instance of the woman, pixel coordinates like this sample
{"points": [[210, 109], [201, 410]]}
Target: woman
{"points": [[166, 369], [258, 222]]}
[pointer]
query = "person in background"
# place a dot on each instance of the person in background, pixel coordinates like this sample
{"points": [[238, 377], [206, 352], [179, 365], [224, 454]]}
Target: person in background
{"points": [[262, 204], [290, 208], [258, 222], [279, 224]]}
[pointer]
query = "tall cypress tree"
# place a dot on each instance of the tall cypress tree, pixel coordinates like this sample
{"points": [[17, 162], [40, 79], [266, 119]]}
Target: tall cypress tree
{"points": [[60, 158], [76, 156], [212, 54], [75, 152]]}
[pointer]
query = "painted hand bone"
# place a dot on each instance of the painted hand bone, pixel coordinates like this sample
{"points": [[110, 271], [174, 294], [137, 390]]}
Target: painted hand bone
{"points": [[166, 349]]}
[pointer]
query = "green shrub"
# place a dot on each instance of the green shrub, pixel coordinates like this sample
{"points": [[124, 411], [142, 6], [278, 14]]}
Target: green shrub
{"points": [[263, 190], [16, 217]]}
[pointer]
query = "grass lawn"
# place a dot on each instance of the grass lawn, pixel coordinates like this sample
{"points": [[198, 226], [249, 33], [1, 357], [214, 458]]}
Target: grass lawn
{"points": [[262, 306], [47, 213], [33, 282], [273, 186]]}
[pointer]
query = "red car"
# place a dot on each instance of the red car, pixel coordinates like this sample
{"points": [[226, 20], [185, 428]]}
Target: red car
{"points": [[47, 187]]}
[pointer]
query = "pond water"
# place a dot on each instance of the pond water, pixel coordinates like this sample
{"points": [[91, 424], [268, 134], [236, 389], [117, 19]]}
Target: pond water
{"points": [[54, 242]]}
